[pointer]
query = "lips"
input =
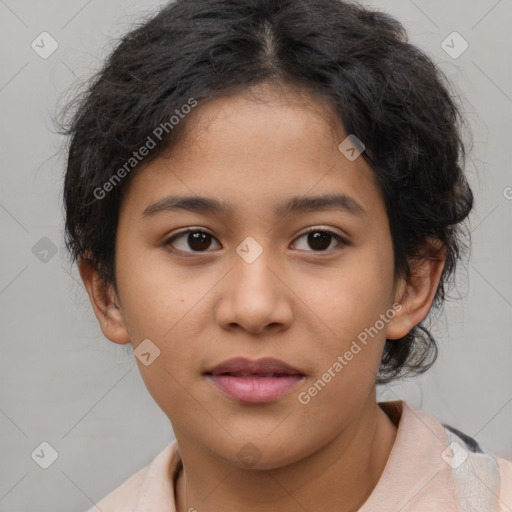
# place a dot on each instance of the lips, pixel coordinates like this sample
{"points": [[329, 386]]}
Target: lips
{"points": [[242, 367], [264, 380]]}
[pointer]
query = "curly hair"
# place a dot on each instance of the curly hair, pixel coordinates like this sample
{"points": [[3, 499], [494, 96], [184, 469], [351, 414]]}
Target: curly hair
{"points": [[385, 90]]}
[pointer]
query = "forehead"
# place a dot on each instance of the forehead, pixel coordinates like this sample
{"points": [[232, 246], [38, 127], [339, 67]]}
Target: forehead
{"points": [[255, 149]]}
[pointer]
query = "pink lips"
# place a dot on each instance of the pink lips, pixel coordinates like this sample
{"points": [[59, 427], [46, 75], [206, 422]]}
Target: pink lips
{"points": [[264, 380]]}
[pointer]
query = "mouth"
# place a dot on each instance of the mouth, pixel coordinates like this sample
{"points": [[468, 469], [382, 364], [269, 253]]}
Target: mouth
{"points": [[264, 380]]}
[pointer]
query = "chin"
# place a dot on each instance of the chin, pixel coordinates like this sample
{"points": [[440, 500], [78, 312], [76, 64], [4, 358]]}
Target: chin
{"points": [[263, 454]]}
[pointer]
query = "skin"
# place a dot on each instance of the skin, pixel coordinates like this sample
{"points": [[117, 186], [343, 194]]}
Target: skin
{"points": [[294, 302]]}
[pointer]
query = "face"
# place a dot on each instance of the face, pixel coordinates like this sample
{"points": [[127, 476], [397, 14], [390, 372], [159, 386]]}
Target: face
{"points": [[251, 281]]}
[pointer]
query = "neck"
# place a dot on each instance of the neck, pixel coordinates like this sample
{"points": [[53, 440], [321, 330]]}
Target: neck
{"points": [[340, 476]]}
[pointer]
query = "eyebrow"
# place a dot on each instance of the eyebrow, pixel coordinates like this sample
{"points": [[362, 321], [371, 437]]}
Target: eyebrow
{"points": [[295, 204]]}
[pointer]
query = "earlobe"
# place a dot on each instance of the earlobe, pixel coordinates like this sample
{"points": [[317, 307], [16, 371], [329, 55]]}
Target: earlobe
{"points": [[417, 293], [104, 303]]}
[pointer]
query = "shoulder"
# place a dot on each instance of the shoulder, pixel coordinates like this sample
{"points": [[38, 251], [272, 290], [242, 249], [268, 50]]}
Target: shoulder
{"points": [[127, 492], [466, 476], [505, 466], [150, 485], [480, 477]]}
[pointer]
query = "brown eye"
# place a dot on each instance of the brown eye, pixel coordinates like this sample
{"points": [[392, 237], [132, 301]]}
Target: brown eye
{"points": [[194, 239], [320, 240]]}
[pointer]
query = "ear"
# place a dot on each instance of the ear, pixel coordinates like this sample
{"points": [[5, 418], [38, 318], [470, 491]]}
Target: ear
{"points": [[104, 303], [416, 294]]}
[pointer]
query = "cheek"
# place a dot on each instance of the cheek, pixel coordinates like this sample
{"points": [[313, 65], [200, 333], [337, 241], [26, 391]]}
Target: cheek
{"points": [[352, 296], [348, 353], [352, 330], [165, 304], [154, 294]]}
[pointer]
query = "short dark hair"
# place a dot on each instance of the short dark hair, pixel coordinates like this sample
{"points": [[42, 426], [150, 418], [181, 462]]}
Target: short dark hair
{"points": [[385, 90]]}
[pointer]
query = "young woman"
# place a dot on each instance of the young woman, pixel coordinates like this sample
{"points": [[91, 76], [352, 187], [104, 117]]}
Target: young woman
{"points": [[266, 198]]}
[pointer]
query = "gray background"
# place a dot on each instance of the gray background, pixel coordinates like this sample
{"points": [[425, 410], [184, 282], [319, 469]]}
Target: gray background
{"points": [[63, 383]]}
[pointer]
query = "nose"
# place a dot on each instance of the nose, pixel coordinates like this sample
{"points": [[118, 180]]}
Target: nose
{"points": [[254, 297]]}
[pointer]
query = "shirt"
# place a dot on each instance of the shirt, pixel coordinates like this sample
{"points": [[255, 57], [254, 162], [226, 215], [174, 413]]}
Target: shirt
{"points": [[432, 467]]}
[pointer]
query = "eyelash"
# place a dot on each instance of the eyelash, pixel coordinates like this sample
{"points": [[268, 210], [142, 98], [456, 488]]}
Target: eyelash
{"points": [[176, 236]]}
